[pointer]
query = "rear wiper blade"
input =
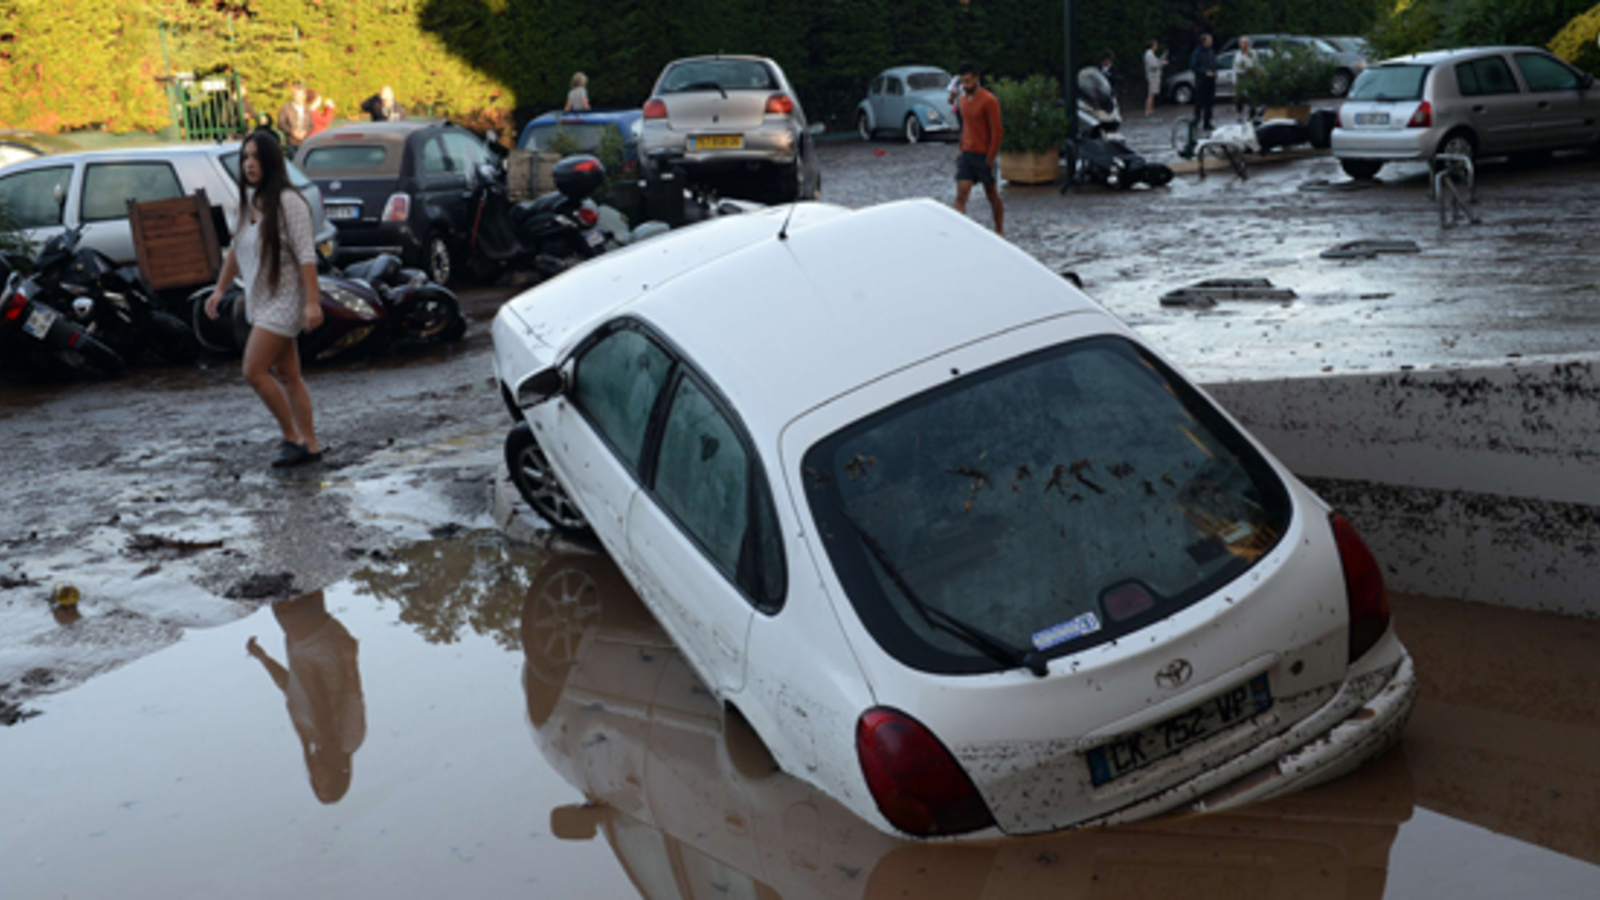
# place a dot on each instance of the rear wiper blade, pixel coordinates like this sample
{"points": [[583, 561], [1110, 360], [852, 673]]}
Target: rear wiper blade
{"points": [[706, 86], [995, 648]]}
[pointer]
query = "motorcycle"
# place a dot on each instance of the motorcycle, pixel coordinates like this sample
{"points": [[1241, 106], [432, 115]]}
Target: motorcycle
{"points": [[547, 235], [36, 339], [370, 306], [109, 302], [1102, 155]]}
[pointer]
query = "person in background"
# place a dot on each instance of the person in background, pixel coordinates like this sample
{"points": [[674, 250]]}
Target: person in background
{"points": [[578, 97], [382, 108], [274, 253], [1153, 64], [1243, 61], [322, 110], [1203, 62], [1108, 68], [980, 143], [294, 119]]}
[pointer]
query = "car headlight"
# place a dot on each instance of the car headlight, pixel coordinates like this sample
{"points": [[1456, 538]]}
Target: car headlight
{"points": [[933, 116]]}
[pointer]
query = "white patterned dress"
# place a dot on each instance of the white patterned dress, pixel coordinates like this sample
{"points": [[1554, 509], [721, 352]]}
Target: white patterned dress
{"points": [[282, 312]]}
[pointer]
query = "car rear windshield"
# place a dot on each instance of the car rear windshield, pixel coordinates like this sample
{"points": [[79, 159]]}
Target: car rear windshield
{"points": [[718, 74], [1398, 82], [927, 81], [343, 157], [1054, 502], [575, 137]]}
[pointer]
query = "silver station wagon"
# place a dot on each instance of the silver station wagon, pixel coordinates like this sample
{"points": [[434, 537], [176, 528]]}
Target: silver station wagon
{"points": [[1479, 102]]}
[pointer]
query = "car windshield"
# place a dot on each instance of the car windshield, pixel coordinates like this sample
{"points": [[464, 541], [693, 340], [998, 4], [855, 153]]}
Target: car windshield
{"points": [[564, 137], [718, 74], [1397, 82], [1054, 502], [927, 81]]}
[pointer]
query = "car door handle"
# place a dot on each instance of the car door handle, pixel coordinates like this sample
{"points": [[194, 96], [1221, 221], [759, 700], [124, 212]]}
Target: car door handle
{"points": [[1479, 110], [1544, 104]]}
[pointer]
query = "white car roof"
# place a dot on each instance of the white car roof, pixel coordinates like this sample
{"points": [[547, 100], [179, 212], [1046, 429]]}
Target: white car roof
{"points": [[784, 325], [159, 151]]}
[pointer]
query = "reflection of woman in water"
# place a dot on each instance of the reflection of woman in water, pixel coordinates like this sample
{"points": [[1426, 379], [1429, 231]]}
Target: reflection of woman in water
{"points": [[323, 688]]}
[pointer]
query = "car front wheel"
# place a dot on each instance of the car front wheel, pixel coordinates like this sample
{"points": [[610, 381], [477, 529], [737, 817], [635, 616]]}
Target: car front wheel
{"points": [[537, 483], [436, 259], [913, 129], [1361, 169], [1183, 95], [1341, 83]]}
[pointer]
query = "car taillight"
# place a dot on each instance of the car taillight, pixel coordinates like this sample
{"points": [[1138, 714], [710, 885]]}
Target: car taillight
{"points": [[655, 108], [15, 305], [1364, 589], [398, 209], [1423, 117], [588, 216], [780, 105], [919, 787]]}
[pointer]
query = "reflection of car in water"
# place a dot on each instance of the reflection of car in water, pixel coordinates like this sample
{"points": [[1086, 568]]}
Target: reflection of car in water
{"points": [[693, 810]]}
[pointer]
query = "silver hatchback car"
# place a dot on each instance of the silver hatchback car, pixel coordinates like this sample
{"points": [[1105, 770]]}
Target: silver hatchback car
{"points": [[732, 122], [1478, 102]]}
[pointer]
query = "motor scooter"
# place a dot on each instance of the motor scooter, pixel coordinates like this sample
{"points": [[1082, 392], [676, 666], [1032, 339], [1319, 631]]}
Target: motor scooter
{"points": [[368, 307], [1101, 155], [37, 340], [546, 235]]}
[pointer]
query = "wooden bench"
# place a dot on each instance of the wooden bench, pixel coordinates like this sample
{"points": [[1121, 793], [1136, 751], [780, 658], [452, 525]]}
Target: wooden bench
{"points": [[175, 242]]}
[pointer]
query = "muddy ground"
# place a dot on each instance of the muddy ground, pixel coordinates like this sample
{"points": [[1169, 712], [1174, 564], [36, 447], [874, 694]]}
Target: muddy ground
{"points": [[151, 494]]}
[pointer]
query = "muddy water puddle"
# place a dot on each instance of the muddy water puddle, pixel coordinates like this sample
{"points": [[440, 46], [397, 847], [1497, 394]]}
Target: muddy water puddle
{"points": [[475, 717]]}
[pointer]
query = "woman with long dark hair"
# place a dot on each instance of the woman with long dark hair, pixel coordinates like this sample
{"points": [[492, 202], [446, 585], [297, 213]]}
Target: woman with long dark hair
{"points": [[274, 252]]}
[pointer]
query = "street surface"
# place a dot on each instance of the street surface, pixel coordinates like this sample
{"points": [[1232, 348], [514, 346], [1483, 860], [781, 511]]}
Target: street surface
{"points": [[151, 753]]}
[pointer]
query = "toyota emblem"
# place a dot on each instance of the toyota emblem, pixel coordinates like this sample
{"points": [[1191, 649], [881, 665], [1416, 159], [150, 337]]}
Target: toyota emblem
{"points": [[1175, 674]]}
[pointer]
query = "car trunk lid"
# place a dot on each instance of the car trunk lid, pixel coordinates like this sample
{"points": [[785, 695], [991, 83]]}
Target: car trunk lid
{"points": [[710, 110]]}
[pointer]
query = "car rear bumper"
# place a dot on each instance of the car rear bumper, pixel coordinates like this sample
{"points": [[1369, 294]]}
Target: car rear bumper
{"points": [[773, 146], [1363, 719], [1408, 143]]}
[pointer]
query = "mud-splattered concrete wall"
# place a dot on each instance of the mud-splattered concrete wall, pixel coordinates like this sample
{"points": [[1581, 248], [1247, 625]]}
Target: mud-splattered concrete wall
{"points": [[1481, 484]]}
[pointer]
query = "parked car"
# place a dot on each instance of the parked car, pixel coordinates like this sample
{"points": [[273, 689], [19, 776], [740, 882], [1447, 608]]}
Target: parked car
{"points": [[733, 122], [1478, 102], [968, 569], [408, 188], [582, 132], [49, 194], [18, 144], [1347, 64], [911, 101], [1360, 46]]}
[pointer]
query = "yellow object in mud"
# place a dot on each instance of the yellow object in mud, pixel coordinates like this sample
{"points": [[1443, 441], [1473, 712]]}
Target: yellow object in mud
{"points": [[65, 595]]}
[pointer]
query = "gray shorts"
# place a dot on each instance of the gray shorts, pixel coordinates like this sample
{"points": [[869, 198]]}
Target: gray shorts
{"points": [[974, 167]]}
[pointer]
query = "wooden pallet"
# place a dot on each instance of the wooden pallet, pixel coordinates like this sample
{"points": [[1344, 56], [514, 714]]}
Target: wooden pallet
{"points": [[175, 242]]}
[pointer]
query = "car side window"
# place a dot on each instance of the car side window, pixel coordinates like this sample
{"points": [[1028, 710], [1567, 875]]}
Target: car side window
{"points": [[466, 154], [30, 197], [877, 86], [107, 188], [434, 161], [616, 383], [896, 89], [1489, 75], [706, 478], [1545, 74]]}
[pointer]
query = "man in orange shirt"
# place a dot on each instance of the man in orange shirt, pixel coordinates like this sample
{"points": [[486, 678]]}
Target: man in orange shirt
{"points": [[980, 141]]}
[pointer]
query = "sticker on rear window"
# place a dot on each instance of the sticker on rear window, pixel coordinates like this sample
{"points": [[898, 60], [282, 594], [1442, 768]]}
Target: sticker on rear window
{"points": [[1055, 635]]}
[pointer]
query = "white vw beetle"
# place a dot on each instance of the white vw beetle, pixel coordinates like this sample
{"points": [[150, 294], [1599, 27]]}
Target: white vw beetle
{"points": [[965, 553]]}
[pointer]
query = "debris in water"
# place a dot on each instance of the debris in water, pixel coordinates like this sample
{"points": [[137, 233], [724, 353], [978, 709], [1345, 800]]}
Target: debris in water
{"points": [[1205, 294], [1369, 249]]}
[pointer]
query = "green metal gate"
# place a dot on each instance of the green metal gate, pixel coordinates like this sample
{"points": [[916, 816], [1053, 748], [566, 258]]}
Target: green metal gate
{"points": [[207, 109]]}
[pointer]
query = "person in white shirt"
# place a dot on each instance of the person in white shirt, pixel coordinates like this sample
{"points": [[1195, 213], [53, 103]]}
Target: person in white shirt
{"points": [[1243, 61], [1153, 64]]}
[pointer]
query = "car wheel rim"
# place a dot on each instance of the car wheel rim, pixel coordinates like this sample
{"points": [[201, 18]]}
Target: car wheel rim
{"points": [[913, 130], [438, 261], [561, 609], [1341, 83], [543, 492], [1458, 146]]}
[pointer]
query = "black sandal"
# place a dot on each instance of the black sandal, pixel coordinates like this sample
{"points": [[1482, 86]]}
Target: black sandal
{"points": [[291, 454]]}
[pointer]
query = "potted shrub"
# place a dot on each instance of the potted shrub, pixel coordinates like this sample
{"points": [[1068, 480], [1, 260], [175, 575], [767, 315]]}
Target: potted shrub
{"points": [[1034, 125], [1284, 81]]}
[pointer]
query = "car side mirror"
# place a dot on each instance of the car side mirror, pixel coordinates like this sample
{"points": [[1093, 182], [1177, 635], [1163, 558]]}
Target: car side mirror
{"points": [[1586, 82], [541, 386]]}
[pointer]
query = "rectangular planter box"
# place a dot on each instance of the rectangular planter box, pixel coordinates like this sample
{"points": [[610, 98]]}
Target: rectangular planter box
{"points": [[1030, 168]]}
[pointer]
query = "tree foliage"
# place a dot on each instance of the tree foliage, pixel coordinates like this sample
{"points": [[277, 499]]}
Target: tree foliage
{"points": [[1576, 43], [1410, 26], [62, 67]]}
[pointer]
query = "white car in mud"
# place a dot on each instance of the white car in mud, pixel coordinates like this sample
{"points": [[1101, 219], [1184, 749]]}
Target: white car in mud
{"points": [[966, 553]]}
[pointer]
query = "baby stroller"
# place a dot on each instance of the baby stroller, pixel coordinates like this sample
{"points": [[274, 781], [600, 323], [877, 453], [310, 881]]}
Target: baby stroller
{"points": [[1102, 155]]}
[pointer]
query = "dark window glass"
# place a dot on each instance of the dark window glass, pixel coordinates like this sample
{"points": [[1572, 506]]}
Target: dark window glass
{"points": [[617, 382], [877, 85], [1545, 74], [230, 161], [30, 197], [928, 81], [896, 89], [712, 74], [1055, 502], [107, 188], [580, 137], [1397, 82], [434, 160], [705, 477], [1493, 76], [347, 156]]}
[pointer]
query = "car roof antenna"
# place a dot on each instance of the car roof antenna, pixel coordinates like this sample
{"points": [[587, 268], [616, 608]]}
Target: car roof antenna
{"points": [[783, 233]]}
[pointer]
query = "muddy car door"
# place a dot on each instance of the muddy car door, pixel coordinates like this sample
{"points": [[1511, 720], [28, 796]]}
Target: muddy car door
{"points": [[1496, 105], [1564, 111]]}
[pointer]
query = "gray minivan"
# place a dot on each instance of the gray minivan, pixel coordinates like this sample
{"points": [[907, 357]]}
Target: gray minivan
{"points": [[49, 194]]}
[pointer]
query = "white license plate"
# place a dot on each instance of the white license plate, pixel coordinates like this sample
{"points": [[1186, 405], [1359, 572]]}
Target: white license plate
{"points": [[1372, 118], [342, 212], [594, 238], [1163, 739], [39, 321]]}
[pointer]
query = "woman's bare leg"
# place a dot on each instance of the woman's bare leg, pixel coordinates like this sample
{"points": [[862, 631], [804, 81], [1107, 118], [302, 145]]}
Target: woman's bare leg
{"points": [[287, 370], [261, 353]]}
